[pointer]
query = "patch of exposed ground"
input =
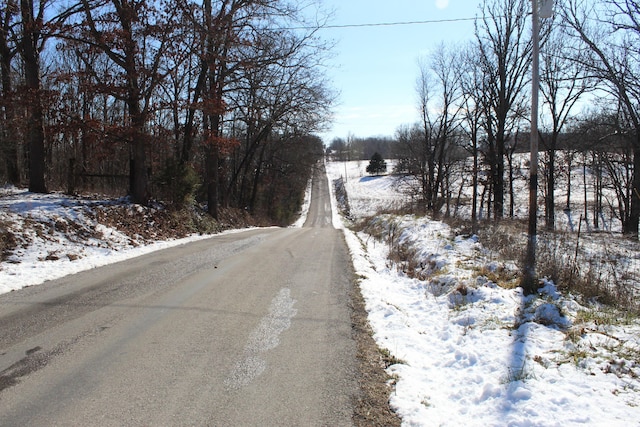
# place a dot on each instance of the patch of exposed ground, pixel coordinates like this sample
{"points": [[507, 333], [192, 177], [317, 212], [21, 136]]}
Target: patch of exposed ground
{"points": [[372, 407], [8, 241]]}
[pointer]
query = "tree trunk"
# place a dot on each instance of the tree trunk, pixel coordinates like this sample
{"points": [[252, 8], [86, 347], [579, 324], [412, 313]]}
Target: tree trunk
{"points": [[239, 178], [474, 201], [35, 116], [256, 181], [597, 189], [138, 173], [584, 183], [511, 191], [631, 226], [9, 143], [212, 181], [551, 185], [431, 189], [569, 166], [187, 145], [498, 179]]}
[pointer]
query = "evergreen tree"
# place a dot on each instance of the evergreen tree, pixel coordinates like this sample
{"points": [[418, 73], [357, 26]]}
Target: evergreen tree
{"points": [[377, 165]]}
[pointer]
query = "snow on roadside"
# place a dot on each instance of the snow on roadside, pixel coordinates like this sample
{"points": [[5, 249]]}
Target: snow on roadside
{"points": [[304, 209], [470, 352], [59, 235]]}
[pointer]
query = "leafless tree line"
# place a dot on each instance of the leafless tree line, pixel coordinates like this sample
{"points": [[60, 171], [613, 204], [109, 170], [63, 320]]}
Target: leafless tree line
{"points": [[162, 98], [475, 109]]}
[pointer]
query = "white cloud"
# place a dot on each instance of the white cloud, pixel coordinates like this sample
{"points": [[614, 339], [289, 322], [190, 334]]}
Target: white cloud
{"points": [[442, 4]]}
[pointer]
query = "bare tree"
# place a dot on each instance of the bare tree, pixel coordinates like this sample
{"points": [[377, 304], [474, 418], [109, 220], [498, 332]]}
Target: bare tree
{"points": [[176, 85], [134, 36], [85, 124], [473, 102], [439, 93], [563, 83], [237, 39], [412, 157], [285, 96], [504, 54]]}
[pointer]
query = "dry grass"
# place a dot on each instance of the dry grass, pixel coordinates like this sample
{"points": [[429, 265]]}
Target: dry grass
{"points": [[8, 241], [506, 237], [142, 224], [149, 224], [590, 275], [501, 276], [402, 256]]}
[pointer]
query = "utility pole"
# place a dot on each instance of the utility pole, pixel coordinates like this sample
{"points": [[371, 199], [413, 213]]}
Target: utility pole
{"points": [[529, 280]]}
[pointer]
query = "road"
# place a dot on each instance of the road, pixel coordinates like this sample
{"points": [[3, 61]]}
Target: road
{"points": [[244, 329]]}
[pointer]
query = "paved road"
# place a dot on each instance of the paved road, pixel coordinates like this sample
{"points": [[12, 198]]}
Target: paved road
{"points": [[246, 329]]}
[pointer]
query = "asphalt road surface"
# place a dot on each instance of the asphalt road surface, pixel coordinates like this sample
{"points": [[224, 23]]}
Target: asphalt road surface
{"points": [[244, 329]]}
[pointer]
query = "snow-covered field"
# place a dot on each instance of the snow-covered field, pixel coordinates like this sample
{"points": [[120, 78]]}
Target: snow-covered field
{"points": [[471, 352]]}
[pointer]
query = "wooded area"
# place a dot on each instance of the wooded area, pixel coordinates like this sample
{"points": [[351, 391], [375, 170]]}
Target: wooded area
{"points": [[174, 100], [219, 100]]}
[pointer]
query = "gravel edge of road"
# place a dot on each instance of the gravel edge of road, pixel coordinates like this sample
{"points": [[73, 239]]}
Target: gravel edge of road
{"points": [[372, 406]]}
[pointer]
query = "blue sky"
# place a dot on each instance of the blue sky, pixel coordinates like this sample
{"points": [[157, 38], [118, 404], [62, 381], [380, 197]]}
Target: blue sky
{"points": [[375, 68]]}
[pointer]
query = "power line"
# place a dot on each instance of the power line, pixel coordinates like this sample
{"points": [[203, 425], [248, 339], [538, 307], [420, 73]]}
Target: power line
{"points": [[382, 24], [393, 24]]}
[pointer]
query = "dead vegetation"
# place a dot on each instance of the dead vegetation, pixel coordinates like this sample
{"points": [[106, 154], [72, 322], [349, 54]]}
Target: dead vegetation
{"points": [[596, 267], [138, 224], [8, 241], [149, 224]]}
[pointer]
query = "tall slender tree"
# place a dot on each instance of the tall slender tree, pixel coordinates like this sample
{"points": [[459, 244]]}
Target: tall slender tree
{"points": [[562, 83], [504, 54], [473, 102], [439, 92]]}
